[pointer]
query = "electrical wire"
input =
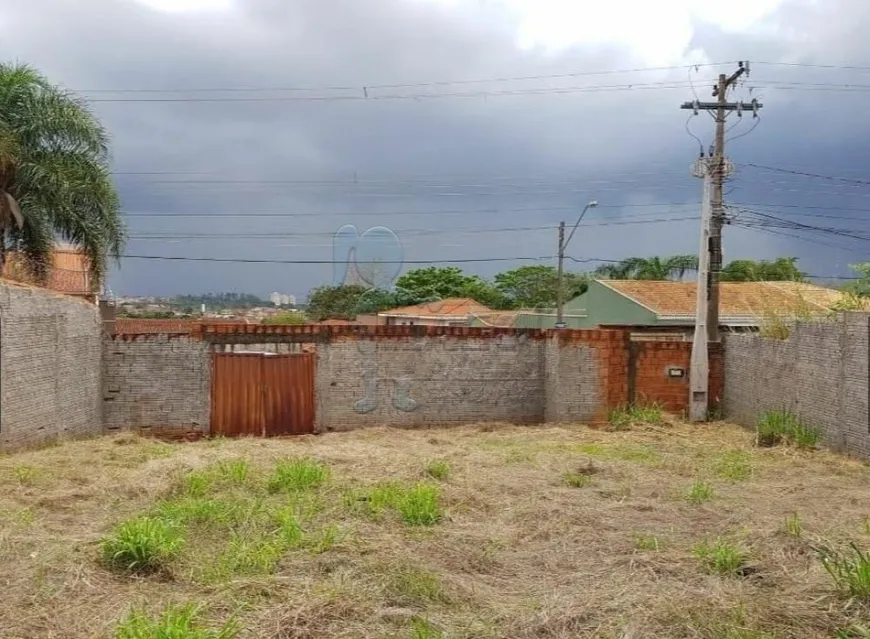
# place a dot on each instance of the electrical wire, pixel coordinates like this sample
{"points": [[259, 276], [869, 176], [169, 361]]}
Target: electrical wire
{"points": [[833, 178]]}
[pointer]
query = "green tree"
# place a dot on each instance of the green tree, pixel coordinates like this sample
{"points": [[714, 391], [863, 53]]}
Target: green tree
{"points": [[377, 300], [334, 302], [54, 175], [435, 282], [649, 268], [536, 286], [780, 269], [440, 282], [861, 286]]}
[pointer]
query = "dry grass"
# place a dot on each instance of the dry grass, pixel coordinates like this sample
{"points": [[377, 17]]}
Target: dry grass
{"points": [[353, 535]]}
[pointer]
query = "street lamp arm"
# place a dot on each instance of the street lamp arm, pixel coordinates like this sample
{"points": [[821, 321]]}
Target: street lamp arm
{"points": [[591, 204]]}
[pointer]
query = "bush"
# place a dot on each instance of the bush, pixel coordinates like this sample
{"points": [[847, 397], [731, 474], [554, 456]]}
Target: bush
{"points": [[141, 545], [775, 427]]}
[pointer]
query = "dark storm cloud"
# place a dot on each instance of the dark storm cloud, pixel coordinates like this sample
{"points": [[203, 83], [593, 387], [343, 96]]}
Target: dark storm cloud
{"points": [[474, 154]]}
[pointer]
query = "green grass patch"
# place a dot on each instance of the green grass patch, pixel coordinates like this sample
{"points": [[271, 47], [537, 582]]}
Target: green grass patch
{"points": [[424, 629], [734, 465], [297, 475], [176, 622], [853, 632], [438, 469], [25, 475], [417, 505], [721, 557], [624, 417], [416, 587], [234, 471], [646, 542], [794, 526], [850, 569], [699, 492], [142, 545], [575, 479], [781, 427]]}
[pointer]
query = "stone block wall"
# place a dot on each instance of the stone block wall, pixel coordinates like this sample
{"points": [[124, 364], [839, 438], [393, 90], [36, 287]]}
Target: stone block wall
{"points": [[49, 366], [819, 373], [156, 381]]}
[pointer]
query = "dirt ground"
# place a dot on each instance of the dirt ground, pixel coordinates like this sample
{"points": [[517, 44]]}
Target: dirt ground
{"points": [[540, 532]]}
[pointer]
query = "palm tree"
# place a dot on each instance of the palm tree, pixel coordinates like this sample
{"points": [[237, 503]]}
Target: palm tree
{"points": [[649, 268], [54, 176]]}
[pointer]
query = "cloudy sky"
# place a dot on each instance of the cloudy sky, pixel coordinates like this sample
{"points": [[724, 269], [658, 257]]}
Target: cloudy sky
{"points": [[249, 131]]}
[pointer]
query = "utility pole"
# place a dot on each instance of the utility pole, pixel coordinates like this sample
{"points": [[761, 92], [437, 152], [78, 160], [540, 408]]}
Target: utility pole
{"points": [[560, 289], [721, 169], [560, 280], [699, 371]]}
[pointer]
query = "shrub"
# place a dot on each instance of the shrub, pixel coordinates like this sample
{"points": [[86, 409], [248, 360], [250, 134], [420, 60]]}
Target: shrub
{"points": [[775, 427], [721, 557], [438, 469], [850, 570], [176, 622], [297, 475], [141, 545]]}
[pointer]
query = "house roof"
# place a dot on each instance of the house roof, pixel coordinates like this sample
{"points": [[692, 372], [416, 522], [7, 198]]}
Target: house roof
{"points": [[738, 301], [69, 271], [450, 307]]}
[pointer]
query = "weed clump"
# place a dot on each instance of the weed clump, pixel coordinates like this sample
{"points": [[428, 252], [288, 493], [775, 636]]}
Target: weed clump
{"points": [[176, 622], [721, 557], [625, 417], [438, 469], [699, 492], [142, 545], [417, 505], [850, 570], [782, 427], [297, 475]]}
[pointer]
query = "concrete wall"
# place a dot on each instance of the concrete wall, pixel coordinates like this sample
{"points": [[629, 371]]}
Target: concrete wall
{"points": [[49, 366], [820, 373], [419, 381], [156, 381]]}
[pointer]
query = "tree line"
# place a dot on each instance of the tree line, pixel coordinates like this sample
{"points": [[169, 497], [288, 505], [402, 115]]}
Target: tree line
{"points": [[527, 287]]}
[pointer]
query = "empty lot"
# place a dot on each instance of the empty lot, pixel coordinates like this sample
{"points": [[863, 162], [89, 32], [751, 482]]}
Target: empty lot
{"points": [[479, 531]]}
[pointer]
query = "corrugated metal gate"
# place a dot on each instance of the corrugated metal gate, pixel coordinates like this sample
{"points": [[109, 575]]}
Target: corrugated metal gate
{"points": [[262, 394]]}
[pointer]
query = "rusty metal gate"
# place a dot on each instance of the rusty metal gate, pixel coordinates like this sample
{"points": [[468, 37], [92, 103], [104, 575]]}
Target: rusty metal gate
{"points": [[262, 394]]}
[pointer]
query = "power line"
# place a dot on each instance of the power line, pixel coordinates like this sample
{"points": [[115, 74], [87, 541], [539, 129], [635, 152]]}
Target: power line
{"points": [[268, 261], [363, 87], [807, 174]]}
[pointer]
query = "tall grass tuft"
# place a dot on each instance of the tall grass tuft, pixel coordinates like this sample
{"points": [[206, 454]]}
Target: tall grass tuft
{"points": [[850, 570], [421, 505], [176, 622], [297, 475], [625, 417], [699, 492], [142, 545], [438, 469], [721, 557], [782, 427]]}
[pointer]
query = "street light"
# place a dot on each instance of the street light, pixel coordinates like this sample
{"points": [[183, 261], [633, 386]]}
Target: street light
{"points": [[563, 244]]}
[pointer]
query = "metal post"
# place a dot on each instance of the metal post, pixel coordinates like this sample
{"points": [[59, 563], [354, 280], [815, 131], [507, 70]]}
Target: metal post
{"points": [[560, 285]]}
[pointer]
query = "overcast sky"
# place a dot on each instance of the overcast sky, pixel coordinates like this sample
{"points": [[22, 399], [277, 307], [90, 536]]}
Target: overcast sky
{"points": [[270, 121]]}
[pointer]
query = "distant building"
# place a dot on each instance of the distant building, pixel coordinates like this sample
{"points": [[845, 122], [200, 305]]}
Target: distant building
{"points": [[280, 299], [454, 311]]}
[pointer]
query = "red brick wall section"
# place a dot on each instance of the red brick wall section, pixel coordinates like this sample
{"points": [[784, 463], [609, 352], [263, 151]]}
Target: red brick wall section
{"points": [[652, 383], [611, 347]]}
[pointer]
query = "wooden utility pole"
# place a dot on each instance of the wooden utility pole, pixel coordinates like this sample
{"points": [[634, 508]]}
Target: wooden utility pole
{"points": [[560, 286], [721, 168]]}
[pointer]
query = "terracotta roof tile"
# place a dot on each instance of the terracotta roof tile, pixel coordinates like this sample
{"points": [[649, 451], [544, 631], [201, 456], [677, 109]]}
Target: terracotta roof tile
{"points": [[737, 300], [450, 307]]}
